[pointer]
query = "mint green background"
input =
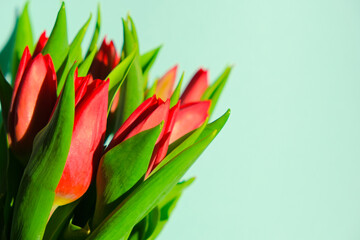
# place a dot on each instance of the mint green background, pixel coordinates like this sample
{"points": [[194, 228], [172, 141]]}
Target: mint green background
{"points": [[287, 165]]}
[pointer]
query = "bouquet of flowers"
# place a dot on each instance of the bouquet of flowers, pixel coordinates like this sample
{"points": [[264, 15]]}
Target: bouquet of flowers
{"points": [[89, 149]]}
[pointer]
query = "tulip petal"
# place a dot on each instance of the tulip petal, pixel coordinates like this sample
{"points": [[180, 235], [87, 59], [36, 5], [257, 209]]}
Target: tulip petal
{"points": [[125, 128], [162, 146], [33, 102], [159, 114], [165, 84], [105, 60], [40, 44], [196, 87], [86, 143], [190, 117]]}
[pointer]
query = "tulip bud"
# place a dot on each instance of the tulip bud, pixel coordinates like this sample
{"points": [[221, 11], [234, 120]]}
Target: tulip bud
{"points": [[105, 60], [91, 98], [33, 100], [165, 84], [196, 88]]}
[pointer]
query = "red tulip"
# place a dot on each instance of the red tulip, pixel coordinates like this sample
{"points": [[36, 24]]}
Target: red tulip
{"points": [[32, 102], [165, 84], [40, 44], [189, 117], [91, 99], [196, 88], [105, 60]]}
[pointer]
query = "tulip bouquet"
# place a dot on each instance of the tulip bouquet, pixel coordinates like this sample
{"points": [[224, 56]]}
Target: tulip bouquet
{"points": [[89, 149]]}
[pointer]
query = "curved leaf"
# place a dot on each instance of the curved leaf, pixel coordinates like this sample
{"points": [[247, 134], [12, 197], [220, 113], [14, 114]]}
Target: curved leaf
{"points": [[95, 37], [74, 55], [148, 59], [120, 169], [57, 45], [118, 74]]}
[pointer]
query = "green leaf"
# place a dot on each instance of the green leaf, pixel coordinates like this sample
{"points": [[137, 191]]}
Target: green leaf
{"points": [[132, 92], [148, 59], [120, 169], [214, 91], [148, 194], [118, 74], [167, 205], [7, 52], [58, 220], [133, 29], [176, 94], [95, 37], [23, 38], [44, 170], [74, 55], [5, 97], [85, 65], [57, 45]]}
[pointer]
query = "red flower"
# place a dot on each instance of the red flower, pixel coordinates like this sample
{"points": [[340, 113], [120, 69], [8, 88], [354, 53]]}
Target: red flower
{"points": [[178, 121], [105, 60], [32, 102], [91, 100], [196, 88], [165, 84]]}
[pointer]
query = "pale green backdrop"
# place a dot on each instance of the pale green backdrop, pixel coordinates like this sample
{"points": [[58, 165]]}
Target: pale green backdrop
{"points": [[287, 165]]}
